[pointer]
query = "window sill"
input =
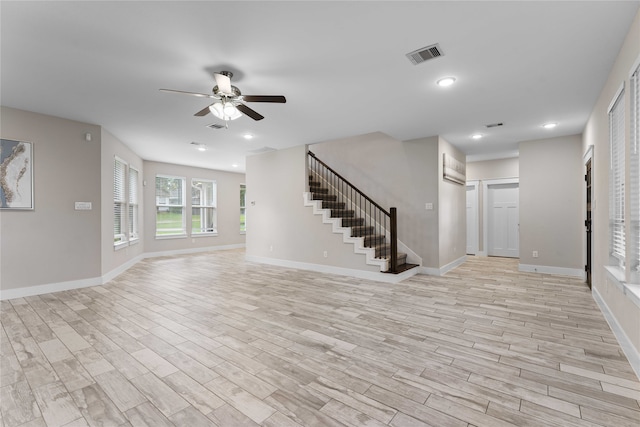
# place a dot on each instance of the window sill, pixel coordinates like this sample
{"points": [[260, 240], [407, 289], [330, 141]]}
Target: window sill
{"points": [[211, 234], [134, 241], [630, 290], [120, 245], [171, 236], [242, 233]]}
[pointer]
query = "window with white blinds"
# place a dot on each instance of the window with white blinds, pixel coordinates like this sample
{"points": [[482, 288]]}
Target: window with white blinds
{"points": [[170, 206], [617, 182], [119, 201], [635, 176], [133, 204], [203, 206]]}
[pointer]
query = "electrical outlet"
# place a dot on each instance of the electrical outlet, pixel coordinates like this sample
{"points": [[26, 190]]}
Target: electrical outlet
{"points": [[535, 254], [325, 254], [271, 248]]}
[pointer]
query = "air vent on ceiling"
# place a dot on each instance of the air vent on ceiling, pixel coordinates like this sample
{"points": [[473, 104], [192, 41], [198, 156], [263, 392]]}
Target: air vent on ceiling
{"points": [[494, 125], [215, 126], [418, 56]]}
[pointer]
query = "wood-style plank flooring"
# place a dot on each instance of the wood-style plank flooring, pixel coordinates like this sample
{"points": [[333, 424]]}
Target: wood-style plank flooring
{"points": [[210, 339]]}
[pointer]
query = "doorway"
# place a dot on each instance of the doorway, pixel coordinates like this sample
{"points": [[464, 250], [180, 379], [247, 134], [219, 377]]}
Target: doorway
{"points": [[502, 223], [587, 222]]}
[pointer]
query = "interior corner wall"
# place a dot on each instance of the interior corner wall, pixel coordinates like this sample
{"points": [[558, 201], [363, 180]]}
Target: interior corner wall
{"points": [[452, 210], [53, 243], [228, 209], [401, 174], [112, 259], [596, 134], [280, 228], [551, 203]]}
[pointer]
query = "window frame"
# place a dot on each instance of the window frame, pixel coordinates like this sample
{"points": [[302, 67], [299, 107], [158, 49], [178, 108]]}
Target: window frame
{"points": [[133, 208], [634, 166], [180, 232], [617, 170], [120, 202], [211, 205]]}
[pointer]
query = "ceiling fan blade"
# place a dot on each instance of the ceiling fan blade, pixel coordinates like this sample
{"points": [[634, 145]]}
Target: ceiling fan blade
{"points": [[224, 83], [203, 112], [264, 98], [249, 112], [201, 95]]}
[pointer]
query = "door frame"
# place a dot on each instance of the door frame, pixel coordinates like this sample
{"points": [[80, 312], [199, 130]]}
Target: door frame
{"points": [[476, 219], [485, 207], [588, 156]]}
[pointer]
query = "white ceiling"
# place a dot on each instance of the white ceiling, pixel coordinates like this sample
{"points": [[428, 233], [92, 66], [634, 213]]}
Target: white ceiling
{"points": [[341, 66]]}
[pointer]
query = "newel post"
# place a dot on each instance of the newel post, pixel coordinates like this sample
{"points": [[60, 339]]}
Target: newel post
{"points": [[393, 226]]}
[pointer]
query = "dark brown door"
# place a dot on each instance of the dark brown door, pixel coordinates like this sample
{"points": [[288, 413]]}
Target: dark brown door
{"points": [[587, 223]]}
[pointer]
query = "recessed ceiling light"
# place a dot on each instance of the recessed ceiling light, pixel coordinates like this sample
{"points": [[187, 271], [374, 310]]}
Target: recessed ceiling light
{"points": [[247, 136], [446, 81], [235, 165], [199, 146], [477, 136], [549, 125]]}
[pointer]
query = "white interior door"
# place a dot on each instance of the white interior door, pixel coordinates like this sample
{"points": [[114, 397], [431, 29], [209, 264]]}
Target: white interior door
{"points": [[504, 217], [472, 219]]}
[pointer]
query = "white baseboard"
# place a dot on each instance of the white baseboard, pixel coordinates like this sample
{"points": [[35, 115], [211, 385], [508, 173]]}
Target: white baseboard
{"points": [[329, 269], [48, 288], [627, 346], [193, 250], [7, 294], [444, 269], [561, 271]]}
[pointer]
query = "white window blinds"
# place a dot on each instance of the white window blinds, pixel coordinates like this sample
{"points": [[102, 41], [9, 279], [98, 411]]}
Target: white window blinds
{"points": [[616, 181], [133, 203], [635, 175], [119, 201]]}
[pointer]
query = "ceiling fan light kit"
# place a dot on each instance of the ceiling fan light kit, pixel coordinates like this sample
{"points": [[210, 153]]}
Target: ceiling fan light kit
{"points": [[230, 101]]}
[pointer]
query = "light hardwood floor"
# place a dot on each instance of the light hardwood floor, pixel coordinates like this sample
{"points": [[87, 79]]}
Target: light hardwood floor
{"points": [[209, 339]]}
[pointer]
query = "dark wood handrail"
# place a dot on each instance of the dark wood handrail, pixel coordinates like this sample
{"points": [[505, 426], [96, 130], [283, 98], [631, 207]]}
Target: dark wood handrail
{"points": [[350, 184]]}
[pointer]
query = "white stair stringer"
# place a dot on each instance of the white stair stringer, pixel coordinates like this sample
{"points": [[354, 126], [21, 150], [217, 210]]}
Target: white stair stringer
{"points": [[336, 226]]}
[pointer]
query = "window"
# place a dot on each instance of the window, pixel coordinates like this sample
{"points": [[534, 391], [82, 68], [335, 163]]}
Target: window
{"points": [[170, 206], [616, 181], [133, 204], [243, 208], [635, 176], [119, 202], [203, 206]]}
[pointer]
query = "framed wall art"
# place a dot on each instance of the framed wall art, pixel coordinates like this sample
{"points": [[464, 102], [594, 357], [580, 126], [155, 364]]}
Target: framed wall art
{"points": [[16, 174], [453, 170]]}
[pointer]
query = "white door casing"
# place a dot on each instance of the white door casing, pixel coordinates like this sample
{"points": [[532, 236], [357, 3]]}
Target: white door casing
{"points": [[502, 218], [473, 232]]}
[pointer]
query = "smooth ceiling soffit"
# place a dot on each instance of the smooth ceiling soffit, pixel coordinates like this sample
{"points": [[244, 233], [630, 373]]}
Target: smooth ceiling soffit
{"points": [[424, 54]]}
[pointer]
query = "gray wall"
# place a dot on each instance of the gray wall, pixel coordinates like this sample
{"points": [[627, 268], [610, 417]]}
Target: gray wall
{"points": [[551, 207], [596, 134], [228, 198], [53, 243], [112, 258], [493, 169], [452, 210]]}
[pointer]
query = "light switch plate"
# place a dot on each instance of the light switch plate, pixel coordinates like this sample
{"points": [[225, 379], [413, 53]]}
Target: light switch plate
{"points": [[83, 206]]}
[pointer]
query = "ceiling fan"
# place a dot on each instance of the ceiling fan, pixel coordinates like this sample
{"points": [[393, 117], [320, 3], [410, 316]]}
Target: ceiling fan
{"points": [[229, 103]]}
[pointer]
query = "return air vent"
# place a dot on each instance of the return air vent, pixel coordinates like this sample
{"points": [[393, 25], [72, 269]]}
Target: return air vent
{"points": [[494, 125], [419, 56], [215, 126]]}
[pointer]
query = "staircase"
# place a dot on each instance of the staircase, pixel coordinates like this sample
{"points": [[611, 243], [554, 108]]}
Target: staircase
{"points": [[368, 229]]}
